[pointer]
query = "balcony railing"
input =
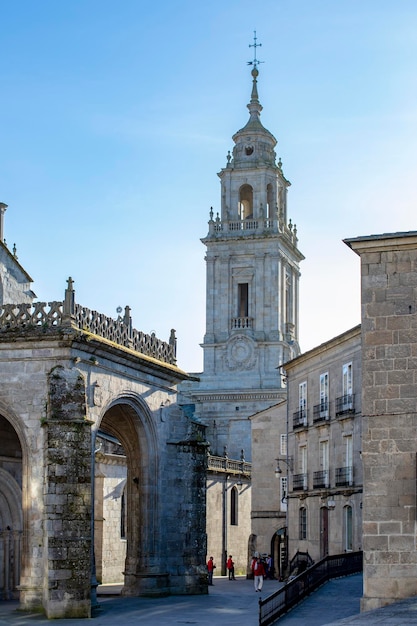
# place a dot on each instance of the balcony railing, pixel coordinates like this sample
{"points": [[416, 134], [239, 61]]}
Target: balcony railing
{"points": [[345, 405], [299, 419], [321, 412], [344, 476], [40, 316], [321, 479], [257, 226], [229, 466], [241, 322], [299, 482]]}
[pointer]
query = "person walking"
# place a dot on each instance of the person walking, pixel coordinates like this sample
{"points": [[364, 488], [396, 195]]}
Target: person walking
{"points": [[210, 569], [258, 574], [231, 568]]}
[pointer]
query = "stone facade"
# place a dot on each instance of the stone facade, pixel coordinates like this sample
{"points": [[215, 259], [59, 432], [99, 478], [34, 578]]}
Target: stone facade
{"points": [[228, 512], [324, 447], [389, 444], [269, 504], [66, 373]]}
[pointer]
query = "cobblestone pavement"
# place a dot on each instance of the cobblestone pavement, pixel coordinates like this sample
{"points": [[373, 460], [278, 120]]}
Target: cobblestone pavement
{"points": [[230, 604]]}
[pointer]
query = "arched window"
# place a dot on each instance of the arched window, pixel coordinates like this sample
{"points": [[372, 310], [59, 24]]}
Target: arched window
{"points": [[245, 202], [234, 506], [302, 523], [348, 530]]}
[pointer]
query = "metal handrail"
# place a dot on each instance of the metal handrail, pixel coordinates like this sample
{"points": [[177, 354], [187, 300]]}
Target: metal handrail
{"points": [[294, 591]]}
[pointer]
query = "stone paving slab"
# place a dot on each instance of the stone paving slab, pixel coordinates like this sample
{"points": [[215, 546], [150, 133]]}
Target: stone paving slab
{"points": [[230, 604]]}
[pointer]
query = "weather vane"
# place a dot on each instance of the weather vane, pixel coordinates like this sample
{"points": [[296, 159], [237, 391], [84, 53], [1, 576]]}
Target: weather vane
{"points": [[255, 45]]}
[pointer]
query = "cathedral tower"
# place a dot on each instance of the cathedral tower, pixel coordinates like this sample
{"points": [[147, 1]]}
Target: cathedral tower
{"points": [[252, 275]]}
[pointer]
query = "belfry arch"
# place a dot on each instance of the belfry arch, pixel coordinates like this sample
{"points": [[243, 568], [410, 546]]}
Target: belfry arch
{"points": [[127, 420], [245, 202]]}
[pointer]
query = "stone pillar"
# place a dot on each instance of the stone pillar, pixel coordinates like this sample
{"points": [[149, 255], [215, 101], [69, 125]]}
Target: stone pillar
{"points": [[67, 494], [389, 446], [186, 524]]}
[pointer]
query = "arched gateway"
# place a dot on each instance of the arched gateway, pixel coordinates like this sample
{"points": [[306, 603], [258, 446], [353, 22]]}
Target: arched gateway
{"points": [[70, 379]]}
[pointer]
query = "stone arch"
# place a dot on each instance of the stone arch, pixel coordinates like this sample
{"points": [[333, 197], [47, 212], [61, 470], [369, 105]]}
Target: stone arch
{"points": [[246, 202], [270, 200], [14, 519], [11, 514], [129, 420]]}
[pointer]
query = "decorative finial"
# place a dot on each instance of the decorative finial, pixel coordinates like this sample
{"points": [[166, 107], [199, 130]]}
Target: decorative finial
{"points": [[255, 45], [14, 251]]}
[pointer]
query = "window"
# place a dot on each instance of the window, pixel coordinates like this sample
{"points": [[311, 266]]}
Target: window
{"points": [[234, 506], [349, 458], [303, 465], [243, 299], [347, 386], [283, 445], [302, 523], [324, 462], [302, 400], [324, 395], [348, 529]]}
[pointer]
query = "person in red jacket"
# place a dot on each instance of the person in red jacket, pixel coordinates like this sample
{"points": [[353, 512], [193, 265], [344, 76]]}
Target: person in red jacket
{"points": [[231, 568], [258, 574], [210, 569]]}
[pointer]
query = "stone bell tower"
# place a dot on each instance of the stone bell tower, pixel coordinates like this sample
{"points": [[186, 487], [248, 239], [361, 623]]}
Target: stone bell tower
{"points": [[252, 275]]}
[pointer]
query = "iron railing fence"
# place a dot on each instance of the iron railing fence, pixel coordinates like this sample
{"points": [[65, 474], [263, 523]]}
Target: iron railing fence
{"points": [[294, 591]]}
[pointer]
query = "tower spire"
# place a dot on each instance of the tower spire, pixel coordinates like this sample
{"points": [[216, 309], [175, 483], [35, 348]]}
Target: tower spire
{"points": [[254, 106]]}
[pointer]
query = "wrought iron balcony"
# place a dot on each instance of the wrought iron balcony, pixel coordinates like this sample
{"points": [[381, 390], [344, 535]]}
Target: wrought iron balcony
{"points": [[299, 419], [321, 479], [345, 405], [344, 476], [321, 412], [299, 482]]}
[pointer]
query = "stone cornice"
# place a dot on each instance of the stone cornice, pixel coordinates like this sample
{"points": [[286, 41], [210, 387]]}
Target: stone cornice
{"points": [[267, 514], [243, 396]]}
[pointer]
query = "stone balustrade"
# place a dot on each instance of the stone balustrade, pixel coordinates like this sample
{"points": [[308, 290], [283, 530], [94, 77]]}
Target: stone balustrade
{"points": [[67, 313]]}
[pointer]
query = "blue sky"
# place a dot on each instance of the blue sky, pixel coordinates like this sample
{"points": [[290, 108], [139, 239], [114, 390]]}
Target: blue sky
{"points": [[117, 116]]}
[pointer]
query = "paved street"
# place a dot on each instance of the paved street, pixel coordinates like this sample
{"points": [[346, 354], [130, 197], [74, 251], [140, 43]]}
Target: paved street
{"points": [[231, 604]]}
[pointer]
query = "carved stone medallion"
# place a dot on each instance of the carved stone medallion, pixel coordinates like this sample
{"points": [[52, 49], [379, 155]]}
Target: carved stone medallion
{"points": [[240, 353]]}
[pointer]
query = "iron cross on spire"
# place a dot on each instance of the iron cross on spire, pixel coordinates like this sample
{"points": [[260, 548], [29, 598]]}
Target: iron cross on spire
{"points": [[255, 45]]}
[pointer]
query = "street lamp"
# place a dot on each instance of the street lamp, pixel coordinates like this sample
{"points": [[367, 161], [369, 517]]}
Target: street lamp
{"points": [[288, 462]]}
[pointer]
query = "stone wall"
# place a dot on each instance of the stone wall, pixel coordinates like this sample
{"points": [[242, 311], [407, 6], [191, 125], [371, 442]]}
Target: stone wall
{"points": [[389, 353]]}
